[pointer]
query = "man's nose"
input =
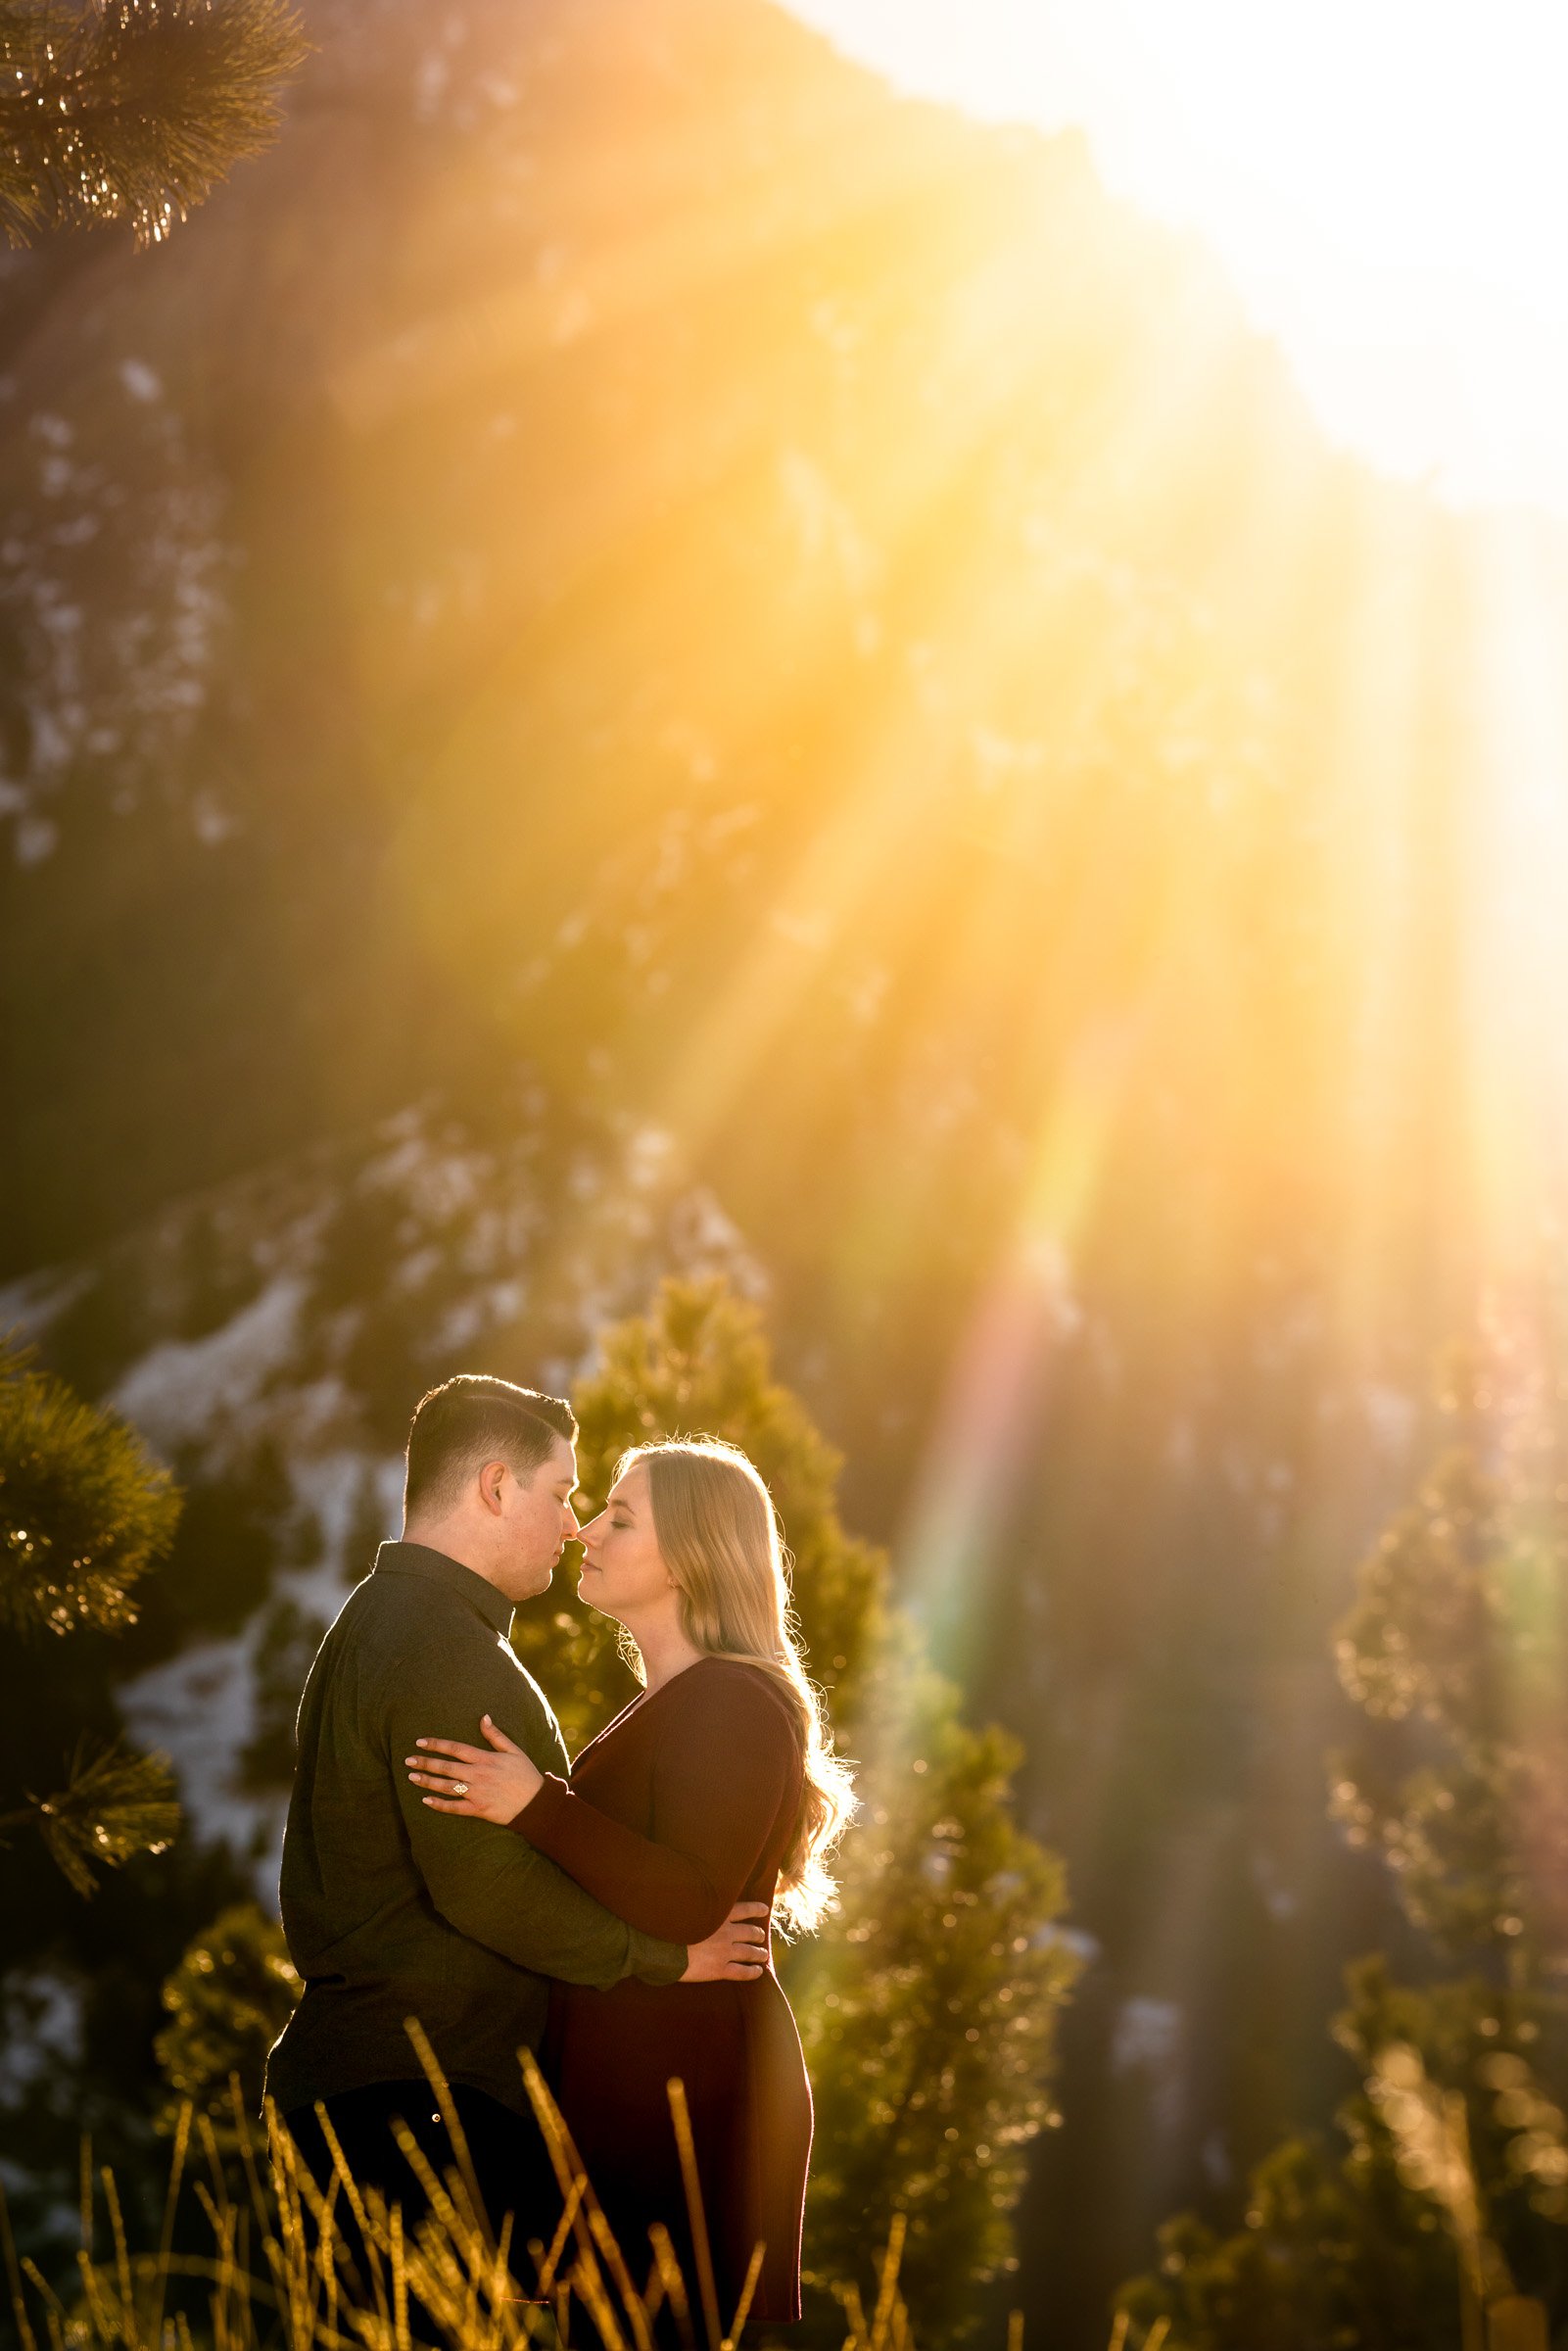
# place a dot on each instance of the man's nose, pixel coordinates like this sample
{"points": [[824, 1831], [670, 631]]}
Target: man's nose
{"points": [[574, 1525]]}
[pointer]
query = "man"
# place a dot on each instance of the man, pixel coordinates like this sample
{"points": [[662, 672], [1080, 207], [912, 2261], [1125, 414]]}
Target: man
{"points": [[394, 1911]]}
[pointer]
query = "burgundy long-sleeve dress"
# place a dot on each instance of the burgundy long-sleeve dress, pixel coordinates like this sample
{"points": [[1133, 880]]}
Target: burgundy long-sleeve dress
{"points": [[685, 1805]]}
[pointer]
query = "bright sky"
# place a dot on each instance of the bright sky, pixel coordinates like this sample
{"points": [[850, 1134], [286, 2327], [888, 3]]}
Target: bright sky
{"points": [[1386, 181]]}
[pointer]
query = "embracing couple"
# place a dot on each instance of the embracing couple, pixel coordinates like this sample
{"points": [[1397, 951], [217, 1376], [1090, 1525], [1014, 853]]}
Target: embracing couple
{"points": [[443, 1861]]}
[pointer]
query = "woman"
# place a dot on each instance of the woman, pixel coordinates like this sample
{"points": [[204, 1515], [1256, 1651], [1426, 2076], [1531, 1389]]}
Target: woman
{"points": [[716, 1785]]}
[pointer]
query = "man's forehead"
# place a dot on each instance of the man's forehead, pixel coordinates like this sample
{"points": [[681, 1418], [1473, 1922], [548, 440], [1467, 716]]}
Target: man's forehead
{"points": [[563, 1459]]}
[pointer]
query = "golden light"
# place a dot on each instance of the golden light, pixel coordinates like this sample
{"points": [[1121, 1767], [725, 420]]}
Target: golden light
{"points": [[1385, 183], [1099, 775]]}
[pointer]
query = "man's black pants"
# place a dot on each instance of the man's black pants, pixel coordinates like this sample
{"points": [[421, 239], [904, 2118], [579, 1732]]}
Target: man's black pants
{"points": [[511, 2163]]}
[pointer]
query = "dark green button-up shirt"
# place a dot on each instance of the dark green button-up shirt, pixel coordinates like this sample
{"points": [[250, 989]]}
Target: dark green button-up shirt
{"points": [[392, 1910]]}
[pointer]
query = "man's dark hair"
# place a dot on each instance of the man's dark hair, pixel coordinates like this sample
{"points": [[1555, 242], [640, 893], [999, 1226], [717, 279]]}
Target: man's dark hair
{"points": [[472, 1419]]}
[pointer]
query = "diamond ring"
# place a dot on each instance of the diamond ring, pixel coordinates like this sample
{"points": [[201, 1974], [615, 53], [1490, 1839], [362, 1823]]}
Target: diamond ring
{"points": [[460, 1786]]}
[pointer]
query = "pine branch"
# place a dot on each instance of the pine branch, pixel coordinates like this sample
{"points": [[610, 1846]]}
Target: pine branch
{"points": [[134, 110], [85, 1510], [115, 1803]]}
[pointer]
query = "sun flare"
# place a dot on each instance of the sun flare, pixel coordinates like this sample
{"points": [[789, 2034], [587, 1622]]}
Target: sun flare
{"points": [[1385, 184]]}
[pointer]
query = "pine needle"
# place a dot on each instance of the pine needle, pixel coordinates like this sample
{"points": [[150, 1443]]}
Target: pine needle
{"points": [[134, 110], [84, 1508], [114, 1804]]}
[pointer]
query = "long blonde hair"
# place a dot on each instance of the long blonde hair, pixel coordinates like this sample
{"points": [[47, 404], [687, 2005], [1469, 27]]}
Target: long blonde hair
{"points": [[719, 1535]]}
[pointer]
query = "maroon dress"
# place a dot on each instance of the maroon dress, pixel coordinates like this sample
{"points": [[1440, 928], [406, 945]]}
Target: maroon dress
{"points": [[685, 1805]]}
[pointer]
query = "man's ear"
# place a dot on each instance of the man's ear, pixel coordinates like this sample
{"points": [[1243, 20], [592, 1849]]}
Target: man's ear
{"points": [[491, 1480]]}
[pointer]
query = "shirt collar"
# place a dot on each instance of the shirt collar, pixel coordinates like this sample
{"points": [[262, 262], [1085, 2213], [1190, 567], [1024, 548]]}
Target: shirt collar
{"points": [[435, 1567]]}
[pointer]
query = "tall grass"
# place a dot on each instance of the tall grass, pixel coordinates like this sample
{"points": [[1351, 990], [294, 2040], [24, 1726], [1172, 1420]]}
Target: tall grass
{"points": [[283, 2272], [279, 2273]]}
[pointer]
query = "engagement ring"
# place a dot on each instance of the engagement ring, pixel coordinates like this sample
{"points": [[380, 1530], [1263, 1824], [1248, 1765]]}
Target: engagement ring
{"points": [[460, 1786]]}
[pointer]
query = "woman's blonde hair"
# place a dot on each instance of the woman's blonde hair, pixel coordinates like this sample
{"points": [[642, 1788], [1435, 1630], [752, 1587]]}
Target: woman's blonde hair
{"points": [[719, 1535]]}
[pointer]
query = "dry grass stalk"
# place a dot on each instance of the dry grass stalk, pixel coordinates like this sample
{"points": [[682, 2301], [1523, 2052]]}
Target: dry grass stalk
{"points": [[887, 2287], [742, 2308], [332, 2266], [686, 2145], [668, 2284], [14, 2275]]}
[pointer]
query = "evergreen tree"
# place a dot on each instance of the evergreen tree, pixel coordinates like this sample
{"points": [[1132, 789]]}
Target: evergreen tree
{"points": [[927, 2005], [1455, 2189], [699, 1362], [927, 2009], [85, 1513], [1456, 1630], [133, 110], [229, 2000]]}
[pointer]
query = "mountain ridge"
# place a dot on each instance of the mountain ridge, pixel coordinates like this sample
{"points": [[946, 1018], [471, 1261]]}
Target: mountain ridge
{"points": [[640, 585]]}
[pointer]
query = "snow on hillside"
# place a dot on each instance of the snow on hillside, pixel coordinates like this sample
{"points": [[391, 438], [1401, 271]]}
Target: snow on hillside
{"points": [[295, 1318]]}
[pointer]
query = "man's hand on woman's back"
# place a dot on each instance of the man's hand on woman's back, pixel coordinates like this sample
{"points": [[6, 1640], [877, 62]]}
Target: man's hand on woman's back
{"points": [[734, 1953]]}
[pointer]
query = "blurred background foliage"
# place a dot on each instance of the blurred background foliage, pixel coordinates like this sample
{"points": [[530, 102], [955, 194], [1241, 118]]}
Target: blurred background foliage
{"points": [[1449, 2189], [634, 656]]}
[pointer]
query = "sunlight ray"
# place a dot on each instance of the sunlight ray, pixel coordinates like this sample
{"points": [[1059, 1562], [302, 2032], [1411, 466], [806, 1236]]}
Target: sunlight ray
{"points": [[998, 1389], [1517, 855], [847, 171]]}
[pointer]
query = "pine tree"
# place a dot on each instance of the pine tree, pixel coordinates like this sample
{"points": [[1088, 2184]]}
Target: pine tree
{"points": [[229, 2000], [1456, 1630], [133, 110], [1453, 2194], [699, 1362], [928, 2004], [85, 1513], [927, 2009]]}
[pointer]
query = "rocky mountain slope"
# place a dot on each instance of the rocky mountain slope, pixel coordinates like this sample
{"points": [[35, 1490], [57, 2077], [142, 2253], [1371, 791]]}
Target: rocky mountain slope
{"points": [[632, 642]]}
